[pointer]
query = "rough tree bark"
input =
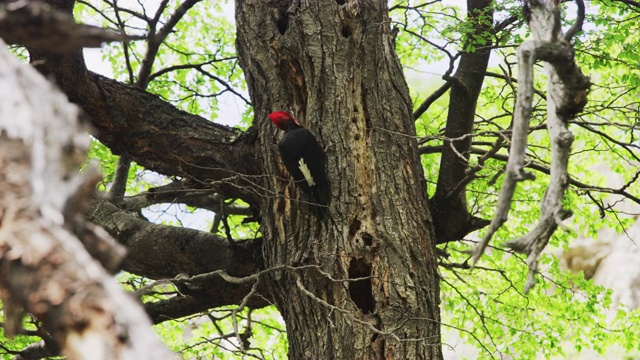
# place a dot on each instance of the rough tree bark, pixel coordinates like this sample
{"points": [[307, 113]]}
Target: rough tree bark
{"points": [[333, 64], [44, 268], [369, 286]]}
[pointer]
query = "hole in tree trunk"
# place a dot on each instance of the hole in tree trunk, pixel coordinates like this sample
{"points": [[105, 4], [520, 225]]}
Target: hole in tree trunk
{"points": [[346, 30], [367, 238], [354, 227], [361, 291], [283, 23], [340, 2]]}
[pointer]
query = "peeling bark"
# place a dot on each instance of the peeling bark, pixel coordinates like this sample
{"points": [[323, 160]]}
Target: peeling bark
{"points": [[44, 269]]}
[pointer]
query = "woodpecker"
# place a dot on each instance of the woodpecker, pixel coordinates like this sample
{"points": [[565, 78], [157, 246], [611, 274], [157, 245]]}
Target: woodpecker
{"points": [[303, 157]]}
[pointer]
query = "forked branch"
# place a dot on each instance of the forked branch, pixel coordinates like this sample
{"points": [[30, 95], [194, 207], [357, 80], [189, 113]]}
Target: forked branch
{"points": [[567, 95]]}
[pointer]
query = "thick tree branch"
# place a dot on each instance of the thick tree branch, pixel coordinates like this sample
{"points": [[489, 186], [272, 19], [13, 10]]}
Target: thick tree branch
{"points": [[133, 122], [167, 252], [161, 251], [145, 126], [451, 216], [38, 26]]}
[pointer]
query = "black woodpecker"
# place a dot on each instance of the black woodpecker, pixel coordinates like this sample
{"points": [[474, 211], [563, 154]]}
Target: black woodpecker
{"points": [[303, 157]]}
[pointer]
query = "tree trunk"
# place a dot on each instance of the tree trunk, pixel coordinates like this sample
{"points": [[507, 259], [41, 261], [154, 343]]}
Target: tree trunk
{"points": [[449, 203], [333, 64]]}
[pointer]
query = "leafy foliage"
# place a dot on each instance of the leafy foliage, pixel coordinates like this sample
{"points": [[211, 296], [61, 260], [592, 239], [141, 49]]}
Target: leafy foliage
{"points": [[485, 307]]}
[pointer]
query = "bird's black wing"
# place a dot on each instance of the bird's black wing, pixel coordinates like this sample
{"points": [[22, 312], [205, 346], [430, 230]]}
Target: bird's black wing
{"points": [[304, 158]]}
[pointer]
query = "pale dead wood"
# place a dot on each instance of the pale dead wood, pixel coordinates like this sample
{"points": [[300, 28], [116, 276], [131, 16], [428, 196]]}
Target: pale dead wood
{"points": [[567, 95], [44, 268], [516, 164]]}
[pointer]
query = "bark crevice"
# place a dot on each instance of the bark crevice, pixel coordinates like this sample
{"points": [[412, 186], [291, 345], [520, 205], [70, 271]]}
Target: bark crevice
{"points": [[360, 290], [376, 260]]}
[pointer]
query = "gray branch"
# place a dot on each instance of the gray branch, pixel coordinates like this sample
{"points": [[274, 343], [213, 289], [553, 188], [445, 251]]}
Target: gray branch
{"points": [[516, 164], [567, 95]]}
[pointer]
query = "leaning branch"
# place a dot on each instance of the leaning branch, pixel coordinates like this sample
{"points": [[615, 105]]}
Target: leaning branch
{"points": [[516, 164], [567, 89]]}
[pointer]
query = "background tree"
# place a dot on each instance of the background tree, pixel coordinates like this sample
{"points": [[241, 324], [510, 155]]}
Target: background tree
{"points": [[363, 283]]}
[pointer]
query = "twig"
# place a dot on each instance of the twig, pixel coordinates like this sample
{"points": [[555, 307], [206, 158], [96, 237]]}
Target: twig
{"points": [[577, 26]]}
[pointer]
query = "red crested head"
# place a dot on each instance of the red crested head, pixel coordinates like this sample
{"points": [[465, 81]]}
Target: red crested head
{"points": [[283, 120]]}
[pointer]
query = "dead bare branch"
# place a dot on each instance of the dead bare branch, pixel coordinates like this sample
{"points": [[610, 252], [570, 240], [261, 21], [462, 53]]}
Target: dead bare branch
{"points": [[567, 89], [516, 164]]}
